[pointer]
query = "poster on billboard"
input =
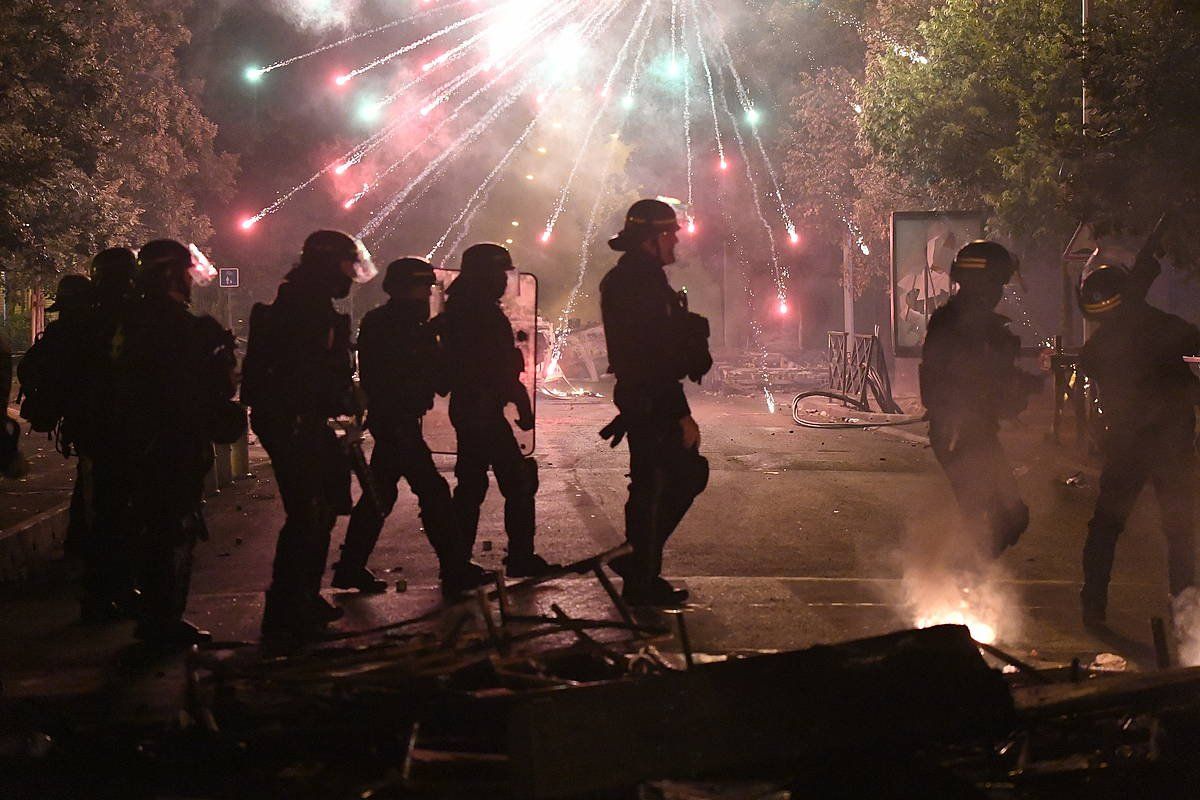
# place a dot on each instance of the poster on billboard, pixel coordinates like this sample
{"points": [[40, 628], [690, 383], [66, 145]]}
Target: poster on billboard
{"points": [[924, 244], [520, 304]]}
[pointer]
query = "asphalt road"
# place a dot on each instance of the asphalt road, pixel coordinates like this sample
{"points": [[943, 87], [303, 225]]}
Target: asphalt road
{"points": [[802, 537]]}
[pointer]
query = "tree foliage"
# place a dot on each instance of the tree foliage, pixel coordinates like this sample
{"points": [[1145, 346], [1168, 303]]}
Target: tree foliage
{"points": [[100, 143], [980, 119], [1140, 154]]}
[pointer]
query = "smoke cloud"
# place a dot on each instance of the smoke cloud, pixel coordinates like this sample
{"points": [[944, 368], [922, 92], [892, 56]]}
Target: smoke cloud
{"points": [[317, 15], [947, 579]]}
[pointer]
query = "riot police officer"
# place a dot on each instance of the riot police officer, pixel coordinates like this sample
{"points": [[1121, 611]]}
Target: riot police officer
{"points": [[399, 365], [653, 343], [297, 375], [52, 375], [108, 579], [174, 380], [483, 373], [969, 382], [1148, 396]]}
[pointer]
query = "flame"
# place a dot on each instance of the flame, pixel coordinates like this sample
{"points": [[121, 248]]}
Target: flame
{"points": [[981, 631]]}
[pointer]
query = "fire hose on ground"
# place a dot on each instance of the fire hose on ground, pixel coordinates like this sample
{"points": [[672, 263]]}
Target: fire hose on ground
{"points": [[853, 402]]}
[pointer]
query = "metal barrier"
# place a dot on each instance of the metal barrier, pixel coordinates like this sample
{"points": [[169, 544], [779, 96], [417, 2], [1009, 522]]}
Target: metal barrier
{"points": [[856, 365]]}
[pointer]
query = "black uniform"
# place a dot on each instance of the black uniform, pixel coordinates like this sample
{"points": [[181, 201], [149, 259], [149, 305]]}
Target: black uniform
{"points": [[173, 380], [298, 374], [108, 566], [653, 343], [398, 360], [483, 372], [969, 382], [1148, 395], [53, 379]]}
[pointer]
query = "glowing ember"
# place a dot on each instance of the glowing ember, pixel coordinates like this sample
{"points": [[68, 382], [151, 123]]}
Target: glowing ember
{"points": [[980, 631]]}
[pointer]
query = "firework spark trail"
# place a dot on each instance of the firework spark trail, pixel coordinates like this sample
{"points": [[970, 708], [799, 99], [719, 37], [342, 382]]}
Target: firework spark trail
{"points": [[780, 272], [357, 153], [393, 222], [687, 125], [481, 194], [674, 17], [637, 60], [408, 48], [565, 192], [563, 326], [354, 37], [712, 99], [452, 150], [449, 57], [499, 106], [483, 188], [756, 332], [533, 29], [747, 108]]}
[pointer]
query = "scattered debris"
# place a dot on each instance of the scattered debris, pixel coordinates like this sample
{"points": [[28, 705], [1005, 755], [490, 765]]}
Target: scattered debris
{"points": [[1108, 662], [1076, 479]]}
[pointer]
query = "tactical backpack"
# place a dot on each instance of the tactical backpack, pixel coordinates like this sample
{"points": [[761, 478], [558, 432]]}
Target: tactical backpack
{"points": [[42, 395], [257, 364]]}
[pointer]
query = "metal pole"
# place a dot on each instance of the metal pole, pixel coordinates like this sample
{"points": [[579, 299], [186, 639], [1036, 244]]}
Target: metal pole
{"points": [[848, 289]]}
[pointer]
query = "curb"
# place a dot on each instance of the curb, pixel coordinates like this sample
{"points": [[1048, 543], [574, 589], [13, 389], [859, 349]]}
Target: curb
{"points": [[28, 547]]}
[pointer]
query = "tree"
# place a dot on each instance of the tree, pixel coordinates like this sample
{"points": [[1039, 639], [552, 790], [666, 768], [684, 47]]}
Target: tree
{"points": [[980, 118], [1140, 154], [100, 143]]}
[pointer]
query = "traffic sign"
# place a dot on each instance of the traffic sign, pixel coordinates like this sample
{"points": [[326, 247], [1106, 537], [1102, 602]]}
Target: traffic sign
{"points": [[228, 278]]}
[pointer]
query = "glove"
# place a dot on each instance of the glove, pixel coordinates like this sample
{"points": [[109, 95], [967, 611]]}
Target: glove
{"points": [[614, 430]]}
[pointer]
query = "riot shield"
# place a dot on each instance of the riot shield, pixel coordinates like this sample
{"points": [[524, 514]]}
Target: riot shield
{"points": [[520, 304]]}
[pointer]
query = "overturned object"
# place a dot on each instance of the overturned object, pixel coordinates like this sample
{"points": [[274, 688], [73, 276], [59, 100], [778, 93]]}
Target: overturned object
{"points": [[894, 693]]}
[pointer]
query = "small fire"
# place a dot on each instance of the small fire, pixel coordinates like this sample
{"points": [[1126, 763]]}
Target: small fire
{"points": [[980, 631]]}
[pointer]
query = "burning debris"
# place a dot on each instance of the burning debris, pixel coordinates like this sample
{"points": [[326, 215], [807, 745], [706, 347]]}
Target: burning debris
{"points": [[947, 580]]}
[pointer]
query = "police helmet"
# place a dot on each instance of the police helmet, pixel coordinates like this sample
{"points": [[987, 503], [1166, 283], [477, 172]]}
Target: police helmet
{"points": [[1103, 286], [162, 256], [405, 272], [74, 291], [115, 267], [328, 249], [486, 257], [983, 261], [644, 220]]}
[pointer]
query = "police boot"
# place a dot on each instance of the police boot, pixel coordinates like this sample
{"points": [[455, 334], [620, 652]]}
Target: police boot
{"points": [[177, 632], [657, 593], [324, 612], [359, 578], [465, 578], [528, 566]]}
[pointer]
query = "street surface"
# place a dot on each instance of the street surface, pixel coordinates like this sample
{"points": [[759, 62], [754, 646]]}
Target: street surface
{"points": [[801, 538]]}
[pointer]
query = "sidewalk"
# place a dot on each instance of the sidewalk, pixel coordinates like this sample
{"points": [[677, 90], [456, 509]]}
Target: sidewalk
{"points": [[33, 509]]}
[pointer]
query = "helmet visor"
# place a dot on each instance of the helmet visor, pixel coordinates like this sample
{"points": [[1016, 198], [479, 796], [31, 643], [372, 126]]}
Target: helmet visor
{"points": [[201, 270]]}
